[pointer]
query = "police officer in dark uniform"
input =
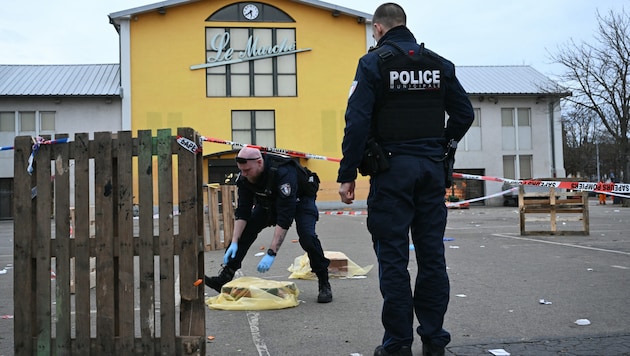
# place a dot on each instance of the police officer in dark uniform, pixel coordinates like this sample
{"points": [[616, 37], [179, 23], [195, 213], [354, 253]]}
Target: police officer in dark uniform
{"points": [[395, 113], [270, 193]]}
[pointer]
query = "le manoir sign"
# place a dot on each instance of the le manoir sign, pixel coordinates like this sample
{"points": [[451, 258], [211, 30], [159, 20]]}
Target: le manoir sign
{"points": [[225, 55]]}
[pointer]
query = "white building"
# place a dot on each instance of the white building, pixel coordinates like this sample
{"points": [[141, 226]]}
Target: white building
{"points": [[517, 132], [44, 100]]}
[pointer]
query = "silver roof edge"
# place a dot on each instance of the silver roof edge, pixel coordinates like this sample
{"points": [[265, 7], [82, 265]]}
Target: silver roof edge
{"points": [[341, 9], [147, 8], [170, 3]]}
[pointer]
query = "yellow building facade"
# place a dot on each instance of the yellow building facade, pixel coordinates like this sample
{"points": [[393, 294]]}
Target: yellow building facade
{"points": [[274, 74]]}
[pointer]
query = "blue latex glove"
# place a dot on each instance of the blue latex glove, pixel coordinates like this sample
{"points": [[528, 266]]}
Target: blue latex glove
{"points": [[231, 252], [265, 263]]}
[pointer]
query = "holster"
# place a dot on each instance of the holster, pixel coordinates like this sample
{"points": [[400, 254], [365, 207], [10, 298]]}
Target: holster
{"points": [[448, 171], [449, 162], [374, 159]]}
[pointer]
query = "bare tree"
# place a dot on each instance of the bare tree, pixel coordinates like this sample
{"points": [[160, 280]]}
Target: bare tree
{"points": [[598, 76], [589, 150], [578, 138]]}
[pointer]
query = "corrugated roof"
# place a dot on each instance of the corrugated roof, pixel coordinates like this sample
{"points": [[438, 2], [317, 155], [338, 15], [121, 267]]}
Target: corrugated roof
{"points": [[104, 80], [507, 80], [60, 80]]}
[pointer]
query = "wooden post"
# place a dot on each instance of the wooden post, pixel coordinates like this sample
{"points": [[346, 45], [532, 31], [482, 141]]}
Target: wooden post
{"points": [[552, 209], [81, 150], [24, 293], [227, 205], [62, 248]]}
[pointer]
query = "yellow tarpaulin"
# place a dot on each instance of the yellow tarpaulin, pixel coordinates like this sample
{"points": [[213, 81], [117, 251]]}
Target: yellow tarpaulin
{"points": [[252, 293], [340, 266]]}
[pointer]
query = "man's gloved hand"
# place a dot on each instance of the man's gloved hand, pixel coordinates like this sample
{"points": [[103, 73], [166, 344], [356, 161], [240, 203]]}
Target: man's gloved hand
{"points": [[266, 263], [230, 253]]}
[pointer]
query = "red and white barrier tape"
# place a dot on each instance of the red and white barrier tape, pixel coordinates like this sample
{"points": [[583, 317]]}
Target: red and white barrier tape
{"points": [[272, 149], [603, 188], [346, 212], [189, 144], [457, 203], [448, 204]]}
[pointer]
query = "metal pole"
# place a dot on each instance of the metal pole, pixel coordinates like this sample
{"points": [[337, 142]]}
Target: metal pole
{"points": [[597, 155]]}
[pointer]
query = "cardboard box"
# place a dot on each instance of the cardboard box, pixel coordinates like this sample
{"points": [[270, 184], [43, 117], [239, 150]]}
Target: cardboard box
{"points": [[338, 264]]}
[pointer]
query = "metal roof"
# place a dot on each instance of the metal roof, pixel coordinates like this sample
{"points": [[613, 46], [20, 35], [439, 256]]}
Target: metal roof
{"points": [[507, 80], [60, 80], [104, 80], [115, 16]]}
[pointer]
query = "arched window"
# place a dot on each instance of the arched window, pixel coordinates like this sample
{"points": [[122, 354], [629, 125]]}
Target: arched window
{"points": [[250, 12], [250, 61]]}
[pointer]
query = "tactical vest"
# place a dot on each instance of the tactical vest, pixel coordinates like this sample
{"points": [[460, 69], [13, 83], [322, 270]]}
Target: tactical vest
{"points": [[413, 105], [308, 181]]}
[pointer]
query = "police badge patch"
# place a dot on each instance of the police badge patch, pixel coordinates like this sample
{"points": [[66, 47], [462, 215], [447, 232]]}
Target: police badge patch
{"points": [[352, 88], [285, 189]]}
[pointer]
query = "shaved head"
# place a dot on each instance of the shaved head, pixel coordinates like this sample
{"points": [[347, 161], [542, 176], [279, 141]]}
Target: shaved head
{"points": [[249, 152], [249, 161]]}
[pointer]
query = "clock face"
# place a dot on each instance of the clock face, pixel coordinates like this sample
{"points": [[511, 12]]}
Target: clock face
{"points": [[250, 11]]}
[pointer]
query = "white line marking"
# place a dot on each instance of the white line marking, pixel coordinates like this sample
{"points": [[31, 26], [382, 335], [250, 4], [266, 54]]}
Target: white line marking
{"points": [[563, 244], [620, 267], [254, 328], [259, 342]]}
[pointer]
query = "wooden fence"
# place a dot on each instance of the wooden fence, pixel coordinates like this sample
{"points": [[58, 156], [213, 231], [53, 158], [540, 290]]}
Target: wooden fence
{"points": [[139, 261], [219, 218]]}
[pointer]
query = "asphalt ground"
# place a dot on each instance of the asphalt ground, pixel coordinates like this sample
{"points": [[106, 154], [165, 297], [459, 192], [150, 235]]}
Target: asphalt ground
{"points": [[498, 279]]}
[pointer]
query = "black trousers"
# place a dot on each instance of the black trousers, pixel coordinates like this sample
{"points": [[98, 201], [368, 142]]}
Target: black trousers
{"points": [[409, 198], [306, 217]]}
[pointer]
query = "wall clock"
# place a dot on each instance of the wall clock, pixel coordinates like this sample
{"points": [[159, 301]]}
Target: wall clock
{"points": [[250, 11]]}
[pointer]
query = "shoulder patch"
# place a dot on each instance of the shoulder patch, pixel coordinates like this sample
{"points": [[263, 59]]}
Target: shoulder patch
{"points": [[285, 189], [352, 88]]}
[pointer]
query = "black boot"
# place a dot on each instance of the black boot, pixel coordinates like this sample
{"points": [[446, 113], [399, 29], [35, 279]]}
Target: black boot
{"points": [[403, 351], [430, 350], [325, 292], [217, 282]]}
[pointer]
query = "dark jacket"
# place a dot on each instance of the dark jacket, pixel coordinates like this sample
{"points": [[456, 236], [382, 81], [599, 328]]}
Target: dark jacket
{"points": [[367, 90], [278, 198]]}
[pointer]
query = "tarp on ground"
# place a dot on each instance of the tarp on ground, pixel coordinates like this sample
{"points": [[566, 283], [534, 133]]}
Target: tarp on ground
{"points": [[252, 293]]}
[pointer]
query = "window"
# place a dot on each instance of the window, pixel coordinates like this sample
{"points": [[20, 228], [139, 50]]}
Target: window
{"points": [[523, 116], [47, 121], [509, 168], [254, 127], [472, 139], [7, 122], [516, 129], [27, 122], [523, 165], [248, 63]]}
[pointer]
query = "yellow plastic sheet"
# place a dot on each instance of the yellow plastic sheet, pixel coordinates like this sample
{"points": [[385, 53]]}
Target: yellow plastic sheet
{"points": [[340, 266], [252, 293]]}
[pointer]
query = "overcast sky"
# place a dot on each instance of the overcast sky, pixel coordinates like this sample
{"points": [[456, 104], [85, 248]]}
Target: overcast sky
{"points": [[483, 32]]}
